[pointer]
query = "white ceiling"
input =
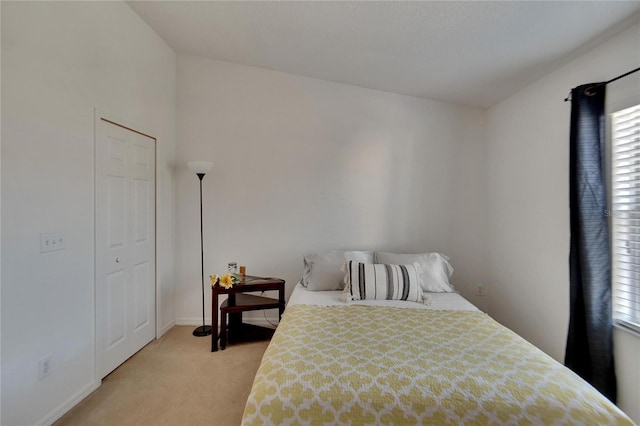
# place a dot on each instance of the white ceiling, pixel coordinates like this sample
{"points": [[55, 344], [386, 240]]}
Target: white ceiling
{"points": [[466, 52]]}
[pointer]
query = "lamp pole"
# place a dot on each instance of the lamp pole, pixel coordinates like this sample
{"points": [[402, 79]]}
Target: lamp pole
{"points": [[201, 167]]}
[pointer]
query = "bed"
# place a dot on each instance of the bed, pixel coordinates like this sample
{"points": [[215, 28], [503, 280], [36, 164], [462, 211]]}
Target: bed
{"points": [[396, 362]]}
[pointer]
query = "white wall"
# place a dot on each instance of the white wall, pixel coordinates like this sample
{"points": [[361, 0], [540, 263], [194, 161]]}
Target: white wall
{"points": [[528, 177], [60, 60], [303, 164]]}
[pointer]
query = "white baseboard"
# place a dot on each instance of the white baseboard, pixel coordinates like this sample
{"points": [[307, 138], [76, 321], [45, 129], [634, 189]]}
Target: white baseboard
{"points": [[166, 328], [262, 322], [192, 321], [255, 321], [75, 399]]}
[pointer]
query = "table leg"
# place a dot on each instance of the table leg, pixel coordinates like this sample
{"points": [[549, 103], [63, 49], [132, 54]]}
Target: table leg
{"points": [[235, 321], [223, 330], [281, 301], [214, 321]]}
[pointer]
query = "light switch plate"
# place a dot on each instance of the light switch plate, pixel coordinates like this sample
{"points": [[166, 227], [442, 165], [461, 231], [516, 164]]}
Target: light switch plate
{"points": [[51, 241]]}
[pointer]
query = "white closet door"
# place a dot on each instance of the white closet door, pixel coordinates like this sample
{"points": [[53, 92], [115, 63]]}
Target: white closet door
{"points": [[125, 243]]}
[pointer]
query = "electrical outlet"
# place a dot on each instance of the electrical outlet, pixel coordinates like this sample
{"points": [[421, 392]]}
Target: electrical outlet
{"points": [[52, 241], [44, 367], [480, 289]]}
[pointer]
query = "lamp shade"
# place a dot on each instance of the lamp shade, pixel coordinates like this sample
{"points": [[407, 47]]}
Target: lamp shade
{"points": [[200, 166]]}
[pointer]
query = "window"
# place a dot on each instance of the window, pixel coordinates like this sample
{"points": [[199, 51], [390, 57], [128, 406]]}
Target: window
{"points": [[625, 203]]}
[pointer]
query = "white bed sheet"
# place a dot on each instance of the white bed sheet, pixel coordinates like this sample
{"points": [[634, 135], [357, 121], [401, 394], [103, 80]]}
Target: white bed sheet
{"points": [[439, 301]]}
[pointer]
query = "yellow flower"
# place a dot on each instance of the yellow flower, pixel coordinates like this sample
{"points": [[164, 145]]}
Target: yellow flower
{"points": [[227, 281], [214, 279]]}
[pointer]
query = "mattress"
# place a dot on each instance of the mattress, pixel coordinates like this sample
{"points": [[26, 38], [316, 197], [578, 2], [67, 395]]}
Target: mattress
{"points": [[443, 363], [436, 301]]}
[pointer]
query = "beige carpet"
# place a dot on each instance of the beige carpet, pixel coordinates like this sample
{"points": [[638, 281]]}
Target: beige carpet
{"points": [[176, 380]]}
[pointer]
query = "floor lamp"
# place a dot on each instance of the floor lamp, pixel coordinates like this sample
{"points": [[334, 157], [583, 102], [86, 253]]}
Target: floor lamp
{"points": [[201, 168]]}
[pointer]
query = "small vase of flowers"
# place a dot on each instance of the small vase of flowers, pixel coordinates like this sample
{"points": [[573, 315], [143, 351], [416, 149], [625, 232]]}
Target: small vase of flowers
{"points": [[226, 281]]}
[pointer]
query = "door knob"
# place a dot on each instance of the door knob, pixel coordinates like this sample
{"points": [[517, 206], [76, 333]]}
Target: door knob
{"points": [[117, 260]]}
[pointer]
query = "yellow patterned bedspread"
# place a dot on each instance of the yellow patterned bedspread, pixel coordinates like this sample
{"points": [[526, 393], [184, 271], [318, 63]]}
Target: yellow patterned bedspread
{"points": [[364, 365]]}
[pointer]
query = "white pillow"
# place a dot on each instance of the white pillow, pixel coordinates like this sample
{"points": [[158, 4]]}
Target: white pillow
{"points": [[435, 268], [322, 269], [383, 282]]}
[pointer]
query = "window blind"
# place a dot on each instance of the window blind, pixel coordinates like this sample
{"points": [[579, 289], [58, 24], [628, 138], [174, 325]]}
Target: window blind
{"points": [[625, 202]]}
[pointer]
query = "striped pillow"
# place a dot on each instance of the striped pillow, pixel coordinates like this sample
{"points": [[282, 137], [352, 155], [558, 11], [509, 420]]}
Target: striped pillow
{"points": [[366, 281]]}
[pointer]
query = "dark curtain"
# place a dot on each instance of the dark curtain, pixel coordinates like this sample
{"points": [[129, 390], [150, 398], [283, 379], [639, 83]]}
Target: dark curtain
{"points": [[590, 340]]}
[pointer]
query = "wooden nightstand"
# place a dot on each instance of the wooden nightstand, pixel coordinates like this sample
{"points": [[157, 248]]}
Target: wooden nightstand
{"points": [[239, 302]]}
